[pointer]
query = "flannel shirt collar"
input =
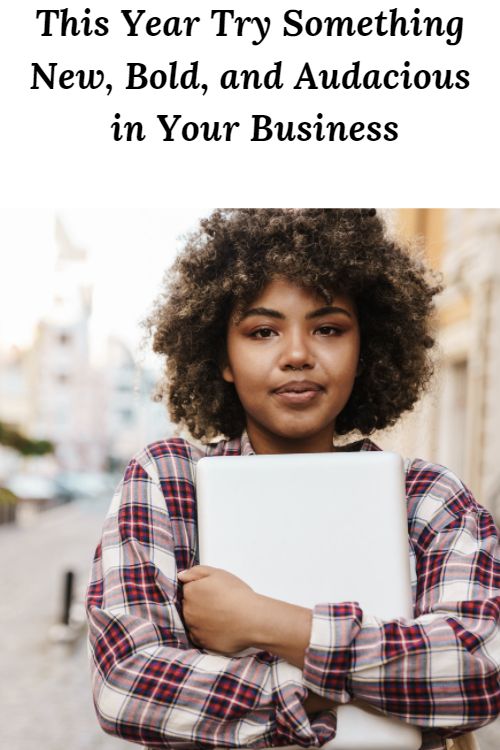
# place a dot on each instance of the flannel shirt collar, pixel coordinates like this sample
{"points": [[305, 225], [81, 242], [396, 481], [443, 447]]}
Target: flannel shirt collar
{"points": [[359, 445]]}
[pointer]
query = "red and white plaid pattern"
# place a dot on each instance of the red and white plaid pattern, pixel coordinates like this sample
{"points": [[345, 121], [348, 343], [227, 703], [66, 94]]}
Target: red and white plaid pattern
{"points": [[152, 686]]}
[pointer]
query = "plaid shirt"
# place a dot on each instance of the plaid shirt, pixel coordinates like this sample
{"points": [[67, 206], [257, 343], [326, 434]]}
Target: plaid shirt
{"points": [[439, 671]]}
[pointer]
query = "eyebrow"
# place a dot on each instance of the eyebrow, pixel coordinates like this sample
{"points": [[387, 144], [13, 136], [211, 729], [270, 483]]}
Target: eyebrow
{"points": [[269, 312]]}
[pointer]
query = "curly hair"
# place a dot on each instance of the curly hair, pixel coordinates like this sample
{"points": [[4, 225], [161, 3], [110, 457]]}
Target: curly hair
{"points": [[227, 263]]}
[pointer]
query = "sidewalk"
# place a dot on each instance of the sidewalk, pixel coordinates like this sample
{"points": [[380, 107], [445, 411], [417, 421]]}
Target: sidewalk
{"points": [[46, 702]]}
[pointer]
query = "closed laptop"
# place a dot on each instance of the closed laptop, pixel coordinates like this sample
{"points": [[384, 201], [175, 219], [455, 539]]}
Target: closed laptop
{"points": [[311, 528]]}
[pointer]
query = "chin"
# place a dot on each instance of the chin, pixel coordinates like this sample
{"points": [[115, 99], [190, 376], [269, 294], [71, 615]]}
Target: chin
{"points": [[302, 432]]}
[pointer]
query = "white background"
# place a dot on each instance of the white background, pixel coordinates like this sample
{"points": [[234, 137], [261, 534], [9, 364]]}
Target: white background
{"points": [[57, 151]]}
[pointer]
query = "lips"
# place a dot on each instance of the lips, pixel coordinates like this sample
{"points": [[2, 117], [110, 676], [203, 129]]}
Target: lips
{"points": [[298, 386], [298, 394]]}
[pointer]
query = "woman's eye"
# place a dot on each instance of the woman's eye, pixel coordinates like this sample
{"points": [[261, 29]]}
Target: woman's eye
{"points": [[262, 333], [329, 331]]}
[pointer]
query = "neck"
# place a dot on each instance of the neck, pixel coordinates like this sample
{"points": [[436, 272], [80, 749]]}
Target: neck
{"points": [[264, 442]]}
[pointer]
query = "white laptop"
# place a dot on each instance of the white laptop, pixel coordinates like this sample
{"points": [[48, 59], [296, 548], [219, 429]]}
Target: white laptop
{"points": [[276, 520]]}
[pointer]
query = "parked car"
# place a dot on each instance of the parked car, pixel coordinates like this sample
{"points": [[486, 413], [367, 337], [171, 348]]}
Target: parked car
{"points": [[35, 489], [75, 485]]}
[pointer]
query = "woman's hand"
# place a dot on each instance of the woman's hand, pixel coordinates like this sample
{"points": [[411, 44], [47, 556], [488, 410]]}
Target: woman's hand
{"points": [[217, 609], [223, 614]]}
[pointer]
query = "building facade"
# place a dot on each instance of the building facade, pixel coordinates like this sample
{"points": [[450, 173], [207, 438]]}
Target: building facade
{"points": [[97, 417], [456, 422]]}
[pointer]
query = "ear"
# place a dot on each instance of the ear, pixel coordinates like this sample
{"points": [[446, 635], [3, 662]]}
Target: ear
{"points": [[227, 373], [224, 366]]}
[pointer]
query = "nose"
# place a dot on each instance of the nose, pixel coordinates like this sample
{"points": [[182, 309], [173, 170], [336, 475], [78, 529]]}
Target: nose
{"points": [[296, 353]]}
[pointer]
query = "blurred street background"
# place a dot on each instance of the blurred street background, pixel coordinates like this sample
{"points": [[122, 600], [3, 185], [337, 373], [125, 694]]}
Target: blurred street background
{"points": [[46, 699], [75, 405]]}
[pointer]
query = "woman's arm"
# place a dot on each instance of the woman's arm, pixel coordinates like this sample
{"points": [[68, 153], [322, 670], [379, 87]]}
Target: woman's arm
{"points": [[439, 671], [151, 684], [225, 615]]}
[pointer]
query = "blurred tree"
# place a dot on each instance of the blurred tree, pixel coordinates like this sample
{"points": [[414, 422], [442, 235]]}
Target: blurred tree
{"points": [[12, 438]]}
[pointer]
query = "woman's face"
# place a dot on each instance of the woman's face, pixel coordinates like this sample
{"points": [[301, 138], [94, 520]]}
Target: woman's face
{"points": [[293, 359]]}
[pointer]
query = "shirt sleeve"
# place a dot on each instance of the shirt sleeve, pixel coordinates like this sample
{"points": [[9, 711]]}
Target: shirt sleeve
{"points": [[439, 671], [150, 685]]}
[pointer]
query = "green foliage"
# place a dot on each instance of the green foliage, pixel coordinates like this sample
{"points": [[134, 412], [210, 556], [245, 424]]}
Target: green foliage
{"points": [[12, 438], [7, 497]]}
